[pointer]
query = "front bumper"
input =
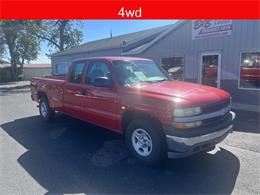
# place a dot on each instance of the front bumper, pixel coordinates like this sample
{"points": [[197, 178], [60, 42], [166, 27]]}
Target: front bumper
{"points": [[199, 139]]}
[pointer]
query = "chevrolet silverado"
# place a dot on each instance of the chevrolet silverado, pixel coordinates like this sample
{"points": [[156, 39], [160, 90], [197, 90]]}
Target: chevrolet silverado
{"points": [[157, 116]]}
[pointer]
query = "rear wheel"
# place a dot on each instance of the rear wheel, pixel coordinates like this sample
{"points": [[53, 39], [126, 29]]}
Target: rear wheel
{"points": [[45, 111], [146, 141]]}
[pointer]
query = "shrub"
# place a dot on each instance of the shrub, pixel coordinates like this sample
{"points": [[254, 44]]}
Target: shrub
{"points": [[6, 74]]}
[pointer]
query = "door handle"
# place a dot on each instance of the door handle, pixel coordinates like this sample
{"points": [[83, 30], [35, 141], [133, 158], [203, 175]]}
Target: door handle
{"points": [[82, 93], [79, 95]]}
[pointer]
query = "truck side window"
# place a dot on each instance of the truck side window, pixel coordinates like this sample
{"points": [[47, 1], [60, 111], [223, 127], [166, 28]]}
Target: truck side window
{"points": [[97, 69], [77, 72]]}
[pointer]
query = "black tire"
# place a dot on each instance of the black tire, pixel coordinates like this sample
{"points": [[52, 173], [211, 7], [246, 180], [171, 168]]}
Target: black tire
{"points": [[48, 114], [159, 147]]}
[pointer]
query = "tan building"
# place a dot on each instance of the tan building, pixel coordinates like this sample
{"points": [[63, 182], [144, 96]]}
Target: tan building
{"points": [[33, 70], [29, 71]]}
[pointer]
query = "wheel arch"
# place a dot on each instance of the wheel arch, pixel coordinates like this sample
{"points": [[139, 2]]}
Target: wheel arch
{"points": [[130, 115], [41, 94]]}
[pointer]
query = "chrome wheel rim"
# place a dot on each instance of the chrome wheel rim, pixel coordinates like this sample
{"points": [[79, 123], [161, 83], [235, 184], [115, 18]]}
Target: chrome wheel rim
{"points": [[142, 142], [43, 109]]}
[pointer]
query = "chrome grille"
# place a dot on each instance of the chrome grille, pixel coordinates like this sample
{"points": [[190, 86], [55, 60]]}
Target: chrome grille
{"points": [[212, 111], [215, 120], [215, 107]]}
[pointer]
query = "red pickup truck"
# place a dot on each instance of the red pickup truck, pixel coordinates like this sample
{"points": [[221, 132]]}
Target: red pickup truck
{"points": [[136, 98], [250, 72]]}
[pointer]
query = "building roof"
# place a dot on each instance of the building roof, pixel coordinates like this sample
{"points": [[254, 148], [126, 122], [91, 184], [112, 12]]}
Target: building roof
{"points": [[133, 42], [28, 65], [5, 65], [37, 65]]}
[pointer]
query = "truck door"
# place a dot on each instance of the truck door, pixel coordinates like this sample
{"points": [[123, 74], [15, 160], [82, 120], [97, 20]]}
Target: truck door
{"points": [[73, 92], [100, 104]]}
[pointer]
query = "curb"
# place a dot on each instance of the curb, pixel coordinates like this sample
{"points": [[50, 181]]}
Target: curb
{"points": [[6, 89]]}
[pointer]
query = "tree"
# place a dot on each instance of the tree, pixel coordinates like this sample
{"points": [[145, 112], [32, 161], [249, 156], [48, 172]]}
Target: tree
{"points": [[60, 34], [21, 45], [2, 45], [28, 48]]}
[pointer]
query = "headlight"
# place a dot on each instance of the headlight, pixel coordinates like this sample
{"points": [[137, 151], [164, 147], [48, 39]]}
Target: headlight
{"points": [[182, 112]]}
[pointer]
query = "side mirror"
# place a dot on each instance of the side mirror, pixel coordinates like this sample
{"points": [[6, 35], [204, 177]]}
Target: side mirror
{"points": [[102, 82]]}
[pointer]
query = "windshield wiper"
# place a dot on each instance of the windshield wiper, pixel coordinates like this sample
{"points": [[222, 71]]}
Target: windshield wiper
{"points": [[161, 80], [137, 83], [145, 82], [155, 81]]}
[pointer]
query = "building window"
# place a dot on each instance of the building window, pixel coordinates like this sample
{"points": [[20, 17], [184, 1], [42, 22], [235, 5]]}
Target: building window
{"points": [[250, 70], [174, 66], [61, 68]]}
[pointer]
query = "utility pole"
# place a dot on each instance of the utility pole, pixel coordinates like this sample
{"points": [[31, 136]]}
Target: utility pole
{"points": [[111, 34]]}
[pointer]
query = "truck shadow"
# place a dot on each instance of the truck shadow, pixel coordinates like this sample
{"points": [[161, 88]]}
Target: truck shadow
{"points": [[60, 156]]}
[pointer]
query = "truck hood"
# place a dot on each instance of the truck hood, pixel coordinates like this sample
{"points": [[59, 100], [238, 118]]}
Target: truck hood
{"points": [[184, 93]]}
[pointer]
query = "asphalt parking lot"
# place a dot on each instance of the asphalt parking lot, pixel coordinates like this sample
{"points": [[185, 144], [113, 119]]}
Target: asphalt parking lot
{"points": [[68, 156]]}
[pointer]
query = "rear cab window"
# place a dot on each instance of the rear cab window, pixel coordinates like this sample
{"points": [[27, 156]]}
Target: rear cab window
{"points": [[77, 72]]}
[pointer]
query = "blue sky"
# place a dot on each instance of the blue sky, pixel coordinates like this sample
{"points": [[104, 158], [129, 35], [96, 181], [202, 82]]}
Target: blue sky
{"points": [[98, 29]]}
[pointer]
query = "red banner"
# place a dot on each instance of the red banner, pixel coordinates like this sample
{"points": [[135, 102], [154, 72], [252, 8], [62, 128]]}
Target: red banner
{"points": [[129, 9]]}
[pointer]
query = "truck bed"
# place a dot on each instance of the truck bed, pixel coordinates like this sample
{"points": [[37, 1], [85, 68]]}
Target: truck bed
{"points": [[52, 86]]}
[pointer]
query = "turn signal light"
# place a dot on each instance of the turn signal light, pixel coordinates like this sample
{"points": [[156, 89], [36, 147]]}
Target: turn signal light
{"points": [[186, 125]]}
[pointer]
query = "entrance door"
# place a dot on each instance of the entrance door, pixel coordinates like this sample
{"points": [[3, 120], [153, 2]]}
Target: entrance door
{"points": [[209, 68]]}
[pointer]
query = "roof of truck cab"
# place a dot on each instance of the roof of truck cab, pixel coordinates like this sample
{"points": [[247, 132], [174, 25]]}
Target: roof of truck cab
{"points": [[111, 58]]}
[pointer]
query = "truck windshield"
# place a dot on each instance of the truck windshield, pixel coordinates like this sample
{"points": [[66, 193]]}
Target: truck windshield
{"points": [[134, 72]]}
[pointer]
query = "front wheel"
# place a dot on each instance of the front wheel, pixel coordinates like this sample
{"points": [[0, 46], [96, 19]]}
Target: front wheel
{"points": [[45, 111], [146, 141]]}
